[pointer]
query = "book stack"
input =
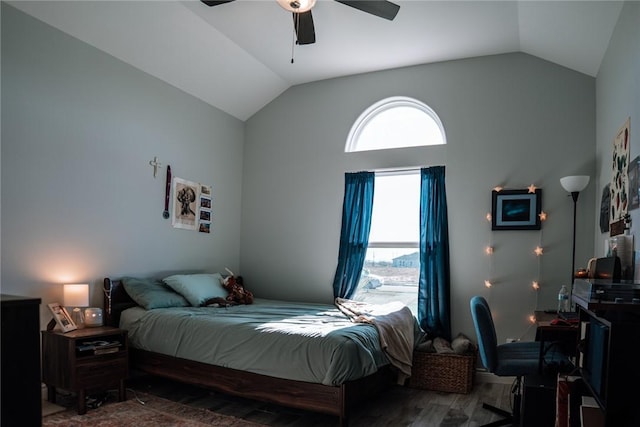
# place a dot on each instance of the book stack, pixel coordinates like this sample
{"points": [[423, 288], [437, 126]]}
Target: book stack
{"points": [[98, 347]]}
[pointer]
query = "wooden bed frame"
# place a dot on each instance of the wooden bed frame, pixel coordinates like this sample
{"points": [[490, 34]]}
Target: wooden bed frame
{"points": [[333, 400]]}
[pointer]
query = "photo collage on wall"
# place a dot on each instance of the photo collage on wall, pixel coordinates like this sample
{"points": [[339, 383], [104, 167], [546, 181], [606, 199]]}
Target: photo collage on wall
{"points": [[191, 205], [205, 209]]}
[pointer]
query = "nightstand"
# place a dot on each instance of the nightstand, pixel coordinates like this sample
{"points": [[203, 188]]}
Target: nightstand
{"points": [[85, 360]]}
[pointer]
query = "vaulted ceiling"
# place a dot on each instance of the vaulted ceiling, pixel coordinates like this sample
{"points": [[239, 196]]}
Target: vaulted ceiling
{"points": [[237, 56]]}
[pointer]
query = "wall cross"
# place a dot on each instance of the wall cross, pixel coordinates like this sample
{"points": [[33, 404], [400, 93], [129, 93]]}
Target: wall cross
{"points": [[156, 164]]}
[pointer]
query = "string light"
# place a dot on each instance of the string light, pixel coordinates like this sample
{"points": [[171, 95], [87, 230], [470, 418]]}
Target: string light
{"points": [[489, 251], [539, 251]]}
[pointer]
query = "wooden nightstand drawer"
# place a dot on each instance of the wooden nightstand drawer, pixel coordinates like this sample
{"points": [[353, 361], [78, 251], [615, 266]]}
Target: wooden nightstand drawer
{"points": [[102, 370]]}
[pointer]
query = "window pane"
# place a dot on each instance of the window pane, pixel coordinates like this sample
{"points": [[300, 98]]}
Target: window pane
{"points": [[395, 122], [396, 208], [399, 127], [390, 274], [392, 268]]}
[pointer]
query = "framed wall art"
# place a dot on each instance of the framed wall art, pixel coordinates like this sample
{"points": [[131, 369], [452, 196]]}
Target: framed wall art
{"points": [[185, 204], [516, 209], [619, 180]]}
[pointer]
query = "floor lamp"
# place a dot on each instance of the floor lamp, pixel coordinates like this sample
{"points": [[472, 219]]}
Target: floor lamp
{"points": [[574, 185]]}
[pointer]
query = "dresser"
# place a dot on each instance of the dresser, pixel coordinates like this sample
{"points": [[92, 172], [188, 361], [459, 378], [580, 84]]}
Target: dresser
{"points": [[21, 387], [608, 359]]}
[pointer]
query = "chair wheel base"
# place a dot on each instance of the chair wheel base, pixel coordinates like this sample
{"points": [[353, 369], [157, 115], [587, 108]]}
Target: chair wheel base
{"points": [[508, 420]]}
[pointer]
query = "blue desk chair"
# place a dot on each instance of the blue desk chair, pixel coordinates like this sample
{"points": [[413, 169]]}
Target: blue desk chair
{"points": [[515, 359]]}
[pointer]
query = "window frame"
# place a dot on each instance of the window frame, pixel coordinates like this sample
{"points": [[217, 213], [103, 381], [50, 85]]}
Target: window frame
{"points": [[382, 106], [361, 292]]}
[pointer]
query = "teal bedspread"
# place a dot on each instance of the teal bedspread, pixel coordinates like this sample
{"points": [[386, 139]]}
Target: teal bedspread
{"points": [[297, 341]]}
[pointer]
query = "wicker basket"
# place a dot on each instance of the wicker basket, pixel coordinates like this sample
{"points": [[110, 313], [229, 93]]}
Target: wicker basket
{"points": [[448, 372]]}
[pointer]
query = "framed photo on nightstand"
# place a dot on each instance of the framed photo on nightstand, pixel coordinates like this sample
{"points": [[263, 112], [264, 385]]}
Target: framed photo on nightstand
{"points": [[61, 317]]}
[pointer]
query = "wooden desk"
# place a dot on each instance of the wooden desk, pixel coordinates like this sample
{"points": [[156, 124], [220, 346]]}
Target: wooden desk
{"points": [[565, 335]]}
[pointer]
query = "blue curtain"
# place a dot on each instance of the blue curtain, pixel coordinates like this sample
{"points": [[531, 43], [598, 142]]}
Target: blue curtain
{"points": [[354, 235], [434, 308]]}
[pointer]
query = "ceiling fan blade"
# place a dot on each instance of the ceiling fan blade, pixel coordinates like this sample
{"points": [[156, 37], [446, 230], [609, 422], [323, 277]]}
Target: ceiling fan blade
{"points": [[382, 8], [305, 30], [215, 3]]}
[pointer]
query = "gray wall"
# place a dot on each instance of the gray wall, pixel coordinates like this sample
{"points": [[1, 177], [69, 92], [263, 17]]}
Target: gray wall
{"points": [[511, 120], [79, 201], [618, 97], [0, 151], [79, 198]]}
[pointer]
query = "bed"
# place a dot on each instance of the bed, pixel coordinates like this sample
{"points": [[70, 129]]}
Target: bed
{"points": [[293, 359]]}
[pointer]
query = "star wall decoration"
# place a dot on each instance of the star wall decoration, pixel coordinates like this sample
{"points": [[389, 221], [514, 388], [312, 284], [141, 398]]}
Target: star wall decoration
{"points": [[538, 251]]}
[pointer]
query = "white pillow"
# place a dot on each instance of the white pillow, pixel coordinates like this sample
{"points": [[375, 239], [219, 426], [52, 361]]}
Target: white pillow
{"points": [[197, 288]]}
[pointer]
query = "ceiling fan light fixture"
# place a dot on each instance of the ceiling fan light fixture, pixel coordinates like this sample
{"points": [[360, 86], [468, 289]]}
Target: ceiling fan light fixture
{"points": [[297, 6]]}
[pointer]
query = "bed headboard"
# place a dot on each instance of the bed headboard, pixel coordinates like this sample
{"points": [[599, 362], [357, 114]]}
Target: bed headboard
{"points": [[116, 299]]}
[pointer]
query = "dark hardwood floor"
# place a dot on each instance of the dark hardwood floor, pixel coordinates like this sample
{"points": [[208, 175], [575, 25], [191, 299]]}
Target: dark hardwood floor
{"points": [[399, 406]]}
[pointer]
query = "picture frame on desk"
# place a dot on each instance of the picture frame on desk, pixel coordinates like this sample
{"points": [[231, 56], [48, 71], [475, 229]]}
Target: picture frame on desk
{"points": [[61, 318]]}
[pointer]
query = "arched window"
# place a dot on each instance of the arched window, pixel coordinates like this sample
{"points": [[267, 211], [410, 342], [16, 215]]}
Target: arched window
{"points": [[395, 122]]}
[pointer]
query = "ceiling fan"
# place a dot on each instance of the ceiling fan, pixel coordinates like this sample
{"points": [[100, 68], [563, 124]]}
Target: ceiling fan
{"points": [[303, 20]]}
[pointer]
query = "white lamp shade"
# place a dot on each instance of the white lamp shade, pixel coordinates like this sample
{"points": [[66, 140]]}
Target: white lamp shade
{"points": [[297, 6], [575, 183], [76, 295]]}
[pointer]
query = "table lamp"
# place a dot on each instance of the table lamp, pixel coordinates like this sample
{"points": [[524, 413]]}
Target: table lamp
{"points": [[76, 296]]}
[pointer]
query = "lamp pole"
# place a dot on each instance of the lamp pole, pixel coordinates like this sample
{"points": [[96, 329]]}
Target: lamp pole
{"points": [[574, 196], [574, 185]]}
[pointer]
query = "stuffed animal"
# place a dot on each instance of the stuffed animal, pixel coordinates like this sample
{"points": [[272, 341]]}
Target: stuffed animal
{"points": [[237, 293]]}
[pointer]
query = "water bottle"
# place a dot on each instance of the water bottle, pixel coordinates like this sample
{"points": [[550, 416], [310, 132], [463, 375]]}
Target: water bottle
{"points": [[563, 300]]}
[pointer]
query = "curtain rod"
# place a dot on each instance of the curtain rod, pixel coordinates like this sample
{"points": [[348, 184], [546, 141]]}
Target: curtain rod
{"points": [[394, 170]]}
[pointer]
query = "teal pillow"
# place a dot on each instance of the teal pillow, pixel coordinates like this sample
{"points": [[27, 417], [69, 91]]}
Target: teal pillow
{"points": [[197, 288], [152, 293]]}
